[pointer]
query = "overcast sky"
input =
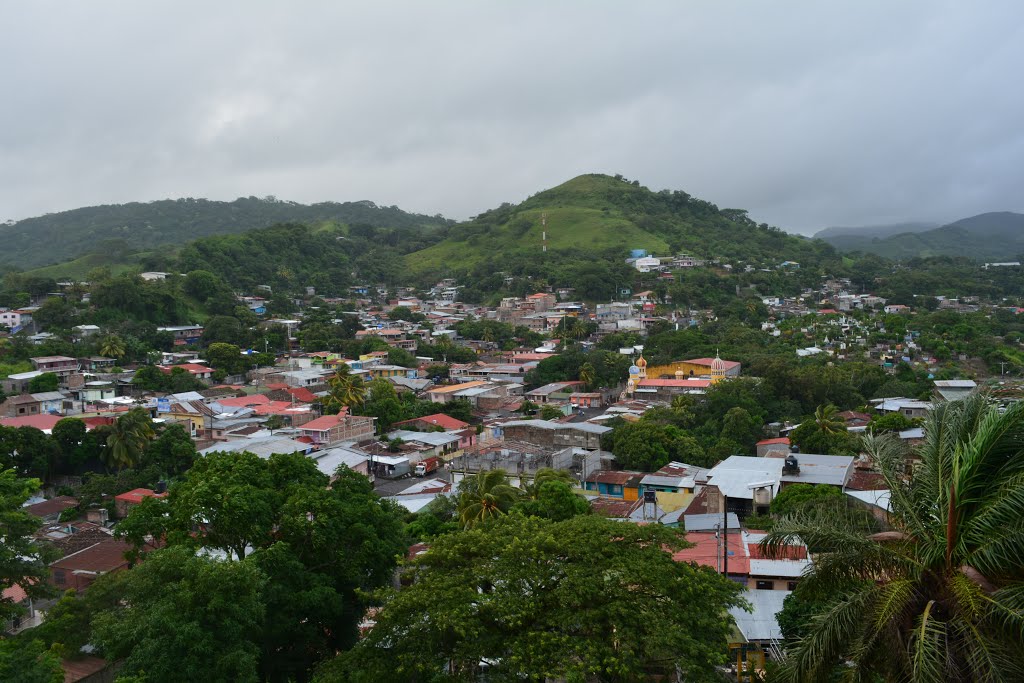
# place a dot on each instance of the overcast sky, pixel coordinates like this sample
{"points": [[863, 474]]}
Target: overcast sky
{"points": [[807, 114]]}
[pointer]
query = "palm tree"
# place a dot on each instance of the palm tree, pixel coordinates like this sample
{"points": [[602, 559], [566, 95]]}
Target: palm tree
{"points": [[940, 595], [545, 474], [127, 438], [484, 496], [588, 374], [112, 346], [346, 390], [827, 421]]}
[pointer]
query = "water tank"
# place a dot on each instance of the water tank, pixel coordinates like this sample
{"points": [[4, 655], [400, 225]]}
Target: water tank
{"points": [[791, 466]]}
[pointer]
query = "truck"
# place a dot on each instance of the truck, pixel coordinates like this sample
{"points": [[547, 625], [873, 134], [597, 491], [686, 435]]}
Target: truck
{"points": [[425, 467]]}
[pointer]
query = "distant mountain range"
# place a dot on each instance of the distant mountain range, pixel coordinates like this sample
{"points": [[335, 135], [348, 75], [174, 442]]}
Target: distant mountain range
{"points": [[996, 236], [95, 233]]}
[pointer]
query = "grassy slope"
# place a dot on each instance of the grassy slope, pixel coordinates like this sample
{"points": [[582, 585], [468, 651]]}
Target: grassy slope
{"points": [[79, 268], [579, 214]]}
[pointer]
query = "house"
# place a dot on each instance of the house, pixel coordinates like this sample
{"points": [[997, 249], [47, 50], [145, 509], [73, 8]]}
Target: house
{"points": [[194, 369], [907, 407], [42, 422], [50, 510], [673, 485], [14, 319], [549, 434], [62, 366], [79, 569], [614, 484], [331, 429], [430, 444], [184, 334], [124, 502], [554, 391], [437, 420], [896, 308], [18, 382], [16, 406], [766, 446], [953, 389], [447, 393], [97, 364], [328, 461], [84, 331]]}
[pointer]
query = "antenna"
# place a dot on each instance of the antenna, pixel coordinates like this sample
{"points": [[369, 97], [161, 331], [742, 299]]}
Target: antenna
{"points": [[544, 232]]}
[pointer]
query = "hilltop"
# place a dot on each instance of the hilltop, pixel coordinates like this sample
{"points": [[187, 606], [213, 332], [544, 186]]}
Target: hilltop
{"points": [[605, 216], [77, 239], [995, 236]]}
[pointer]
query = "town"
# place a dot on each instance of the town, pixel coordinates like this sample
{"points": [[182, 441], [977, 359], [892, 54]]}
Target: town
{"points": [[425, 397]]}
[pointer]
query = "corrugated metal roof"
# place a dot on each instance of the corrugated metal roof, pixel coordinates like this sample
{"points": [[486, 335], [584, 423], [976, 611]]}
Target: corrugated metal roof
{"points": [[760, 623]]}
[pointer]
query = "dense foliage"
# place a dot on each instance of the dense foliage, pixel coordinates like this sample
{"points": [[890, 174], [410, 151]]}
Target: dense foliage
{"points": [[598, 600]]}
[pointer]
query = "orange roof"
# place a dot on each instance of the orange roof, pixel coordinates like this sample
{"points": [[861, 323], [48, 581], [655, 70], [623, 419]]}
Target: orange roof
{"points": [[43, 422], [707, 550], [322, 424], [439, 419], [770, 442], [456, 387], [137, 495]]}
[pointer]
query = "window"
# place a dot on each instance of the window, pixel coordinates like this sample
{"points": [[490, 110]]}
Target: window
{"points": [[791, 586], [765, 585], [58, 577]]}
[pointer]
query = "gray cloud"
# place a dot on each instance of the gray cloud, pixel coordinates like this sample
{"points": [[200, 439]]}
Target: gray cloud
{"points": [[806, 113]]}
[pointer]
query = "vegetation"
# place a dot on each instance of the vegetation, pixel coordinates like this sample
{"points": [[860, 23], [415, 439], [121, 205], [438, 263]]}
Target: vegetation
{"points": [[124, 229], [938, 597], [575, 611]]}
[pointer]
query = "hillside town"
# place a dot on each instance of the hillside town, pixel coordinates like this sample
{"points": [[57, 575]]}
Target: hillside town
{"points": [[419, 426]]}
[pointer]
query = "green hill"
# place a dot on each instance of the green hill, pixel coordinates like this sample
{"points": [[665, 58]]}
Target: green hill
{"points": [[996, 236], [599, 215], [62, 237]]}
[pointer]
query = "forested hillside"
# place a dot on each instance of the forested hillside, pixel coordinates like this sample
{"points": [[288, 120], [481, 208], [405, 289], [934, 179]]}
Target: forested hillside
{"points": [[140, 226], [996, 236], [291, 257], [599, 219]]}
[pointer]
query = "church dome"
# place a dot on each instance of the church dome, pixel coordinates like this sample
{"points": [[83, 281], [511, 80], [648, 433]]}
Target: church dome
{"points": [[641, 362], [717, 363]]}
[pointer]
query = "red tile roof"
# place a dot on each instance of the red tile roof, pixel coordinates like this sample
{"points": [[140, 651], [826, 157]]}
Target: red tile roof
{"points": [[137, 495], [43, 422], [782, 441], [707, 549], [322, 424], [52, 506], [439, 419], [104, 556], [620, 478]]}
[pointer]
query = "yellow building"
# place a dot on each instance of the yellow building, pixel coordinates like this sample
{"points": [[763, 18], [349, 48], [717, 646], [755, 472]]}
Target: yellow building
{"points": [[714, 369]]}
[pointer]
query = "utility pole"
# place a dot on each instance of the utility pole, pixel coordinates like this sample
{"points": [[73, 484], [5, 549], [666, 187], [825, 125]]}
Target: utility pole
{"points": [[1002, 367], [725, 535]]}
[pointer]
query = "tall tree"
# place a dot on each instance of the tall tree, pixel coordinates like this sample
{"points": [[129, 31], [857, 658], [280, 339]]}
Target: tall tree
{"points": [[21, 559], [485, 496], [940, 596], [127, 439], [345, 390], [586, 599], [112, 346], [185, 618]]}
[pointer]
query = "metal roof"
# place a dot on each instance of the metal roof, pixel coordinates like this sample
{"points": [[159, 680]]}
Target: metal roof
{"points": [[760, 623]]}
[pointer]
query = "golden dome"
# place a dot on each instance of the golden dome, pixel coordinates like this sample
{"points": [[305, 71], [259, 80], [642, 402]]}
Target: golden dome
{"points": [[641, 362]]}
